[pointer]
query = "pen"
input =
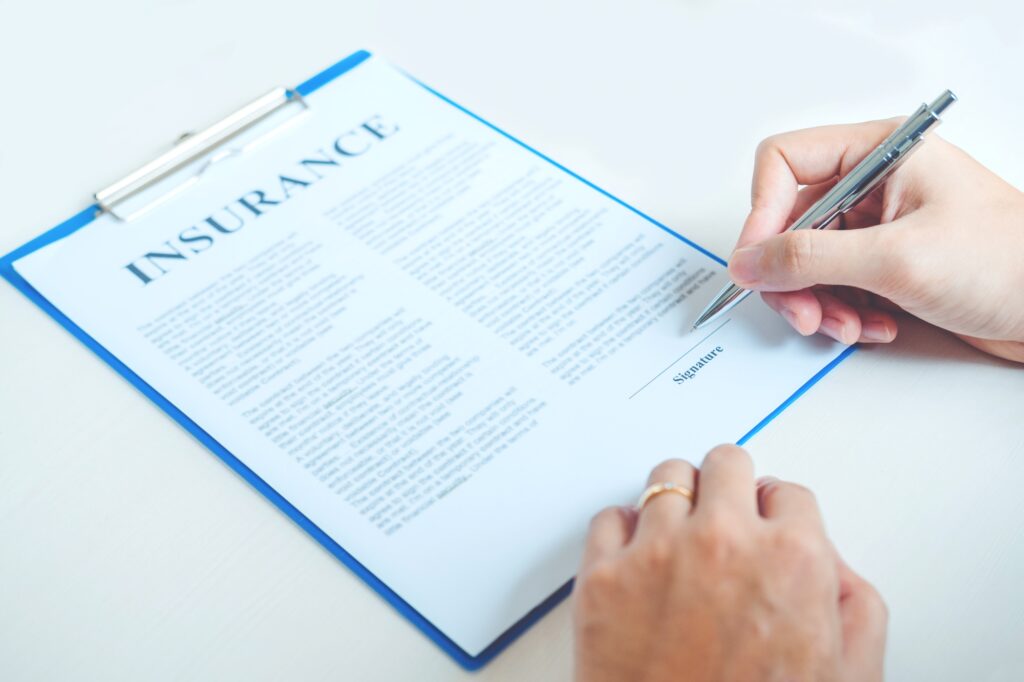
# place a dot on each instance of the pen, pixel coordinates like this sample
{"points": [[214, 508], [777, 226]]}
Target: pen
{"points": [[848, 192]]}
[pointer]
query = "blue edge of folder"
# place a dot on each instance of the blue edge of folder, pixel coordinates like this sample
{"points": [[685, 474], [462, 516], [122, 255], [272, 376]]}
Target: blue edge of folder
{"points": [[463, 658]]}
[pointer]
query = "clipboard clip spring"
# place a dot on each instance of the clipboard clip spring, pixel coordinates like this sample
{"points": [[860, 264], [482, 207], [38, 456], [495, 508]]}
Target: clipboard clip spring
{"points": [[192, 146]]}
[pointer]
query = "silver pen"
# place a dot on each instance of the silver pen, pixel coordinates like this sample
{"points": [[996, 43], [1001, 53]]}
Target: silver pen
{"points": [[848, 192]]}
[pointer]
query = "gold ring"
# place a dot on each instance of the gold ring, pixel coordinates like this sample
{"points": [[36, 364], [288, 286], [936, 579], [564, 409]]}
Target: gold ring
{"points": [[659, 488]]}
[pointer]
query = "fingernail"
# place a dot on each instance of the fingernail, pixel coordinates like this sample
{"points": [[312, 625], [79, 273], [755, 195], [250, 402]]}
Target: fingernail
{"points": [[876, 331], [831, 326], [745, 264], [794, 320], [766, 480]]}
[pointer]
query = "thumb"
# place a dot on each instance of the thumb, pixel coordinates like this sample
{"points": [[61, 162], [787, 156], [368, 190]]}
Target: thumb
{"points": [[803, 258], [864, 621]]}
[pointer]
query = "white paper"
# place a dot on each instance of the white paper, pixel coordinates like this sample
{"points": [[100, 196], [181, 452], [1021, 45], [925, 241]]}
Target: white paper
{"points": [[443, 350]]}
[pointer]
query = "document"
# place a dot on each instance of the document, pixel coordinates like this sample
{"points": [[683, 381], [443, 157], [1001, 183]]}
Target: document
{"points": [[447, 352]]}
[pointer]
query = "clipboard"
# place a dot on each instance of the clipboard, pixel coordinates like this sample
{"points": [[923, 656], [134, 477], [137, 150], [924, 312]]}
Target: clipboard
{"points": [[113, 198]]}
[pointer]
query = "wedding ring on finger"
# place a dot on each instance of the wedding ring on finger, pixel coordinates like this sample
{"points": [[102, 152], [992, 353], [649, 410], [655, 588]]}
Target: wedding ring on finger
{"points": [[667, 487]]}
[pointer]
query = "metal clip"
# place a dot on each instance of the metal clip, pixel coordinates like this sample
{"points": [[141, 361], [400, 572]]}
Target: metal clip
{"points": [[192, 146]]}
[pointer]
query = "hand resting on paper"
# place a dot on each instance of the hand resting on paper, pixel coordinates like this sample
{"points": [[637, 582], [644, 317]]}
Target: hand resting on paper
{"points": [[739, 584], [945, 244]]}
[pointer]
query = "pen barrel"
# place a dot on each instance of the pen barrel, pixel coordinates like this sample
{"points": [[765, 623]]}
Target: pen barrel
{"points": [[849, 191], [875, 167]]}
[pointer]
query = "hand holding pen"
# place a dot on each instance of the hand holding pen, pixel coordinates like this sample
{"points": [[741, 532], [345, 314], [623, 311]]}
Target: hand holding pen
{"points": [[944, 241]]}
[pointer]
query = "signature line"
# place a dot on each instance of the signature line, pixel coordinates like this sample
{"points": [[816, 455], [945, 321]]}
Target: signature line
{"points": [[710, 334]]}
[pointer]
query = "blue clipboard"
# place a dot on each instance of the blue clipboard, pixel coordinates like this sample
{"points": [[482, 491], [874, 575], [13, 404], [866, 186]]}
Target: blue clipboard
{"points": [[463, 658]]}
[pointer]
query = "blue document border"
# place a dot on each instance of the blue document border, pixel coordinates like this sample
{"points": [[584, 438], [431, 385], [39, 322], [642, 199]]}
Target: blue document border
{"points": [[463, 658]]}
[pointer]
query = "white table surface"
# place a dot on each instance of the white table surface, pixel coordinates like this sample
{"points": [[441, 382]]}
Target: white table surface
{"points": [[127, 551]]}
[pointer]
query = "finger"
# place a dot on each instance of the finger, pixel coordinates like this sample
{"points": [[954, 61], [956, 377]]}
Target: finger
{"points": [[864, 622], [727, 482], [804, 157], [865, 214], [787, 502], [806, 311], [801, 309], [877, 325], [665, 512], [806, 197], [839, 320], [610, 531], [804, 258]]}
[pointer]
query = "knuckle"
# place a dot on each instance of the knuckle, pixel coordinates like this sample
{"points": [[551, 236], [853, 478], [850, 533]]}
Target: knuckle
{"points": [[768, 145], [600, 518], [766, 493], [717, 537], [726, 451], [879, 610], [796, 489], [883, 611], [766, 149], [671, 468], [797, 251], [800, 546], [601, 581], [658, 554], [599, 576]]}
